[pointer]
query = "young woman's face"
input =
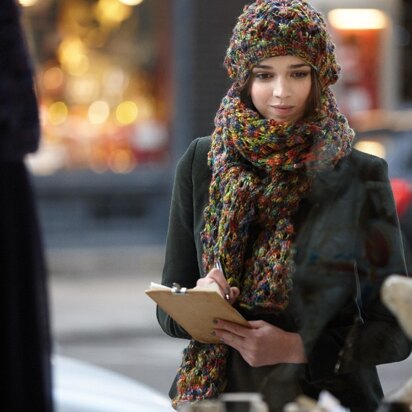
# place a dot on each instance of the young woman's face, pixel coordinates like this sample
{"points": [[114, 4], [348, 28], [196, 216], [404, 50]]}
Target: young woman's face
{"points": [[280, 87]]}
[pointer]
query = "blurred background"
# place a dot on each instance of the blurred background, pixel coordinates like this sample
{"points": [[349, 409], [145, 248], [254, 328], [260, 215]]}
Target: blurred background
{"points": [[123, 87]]}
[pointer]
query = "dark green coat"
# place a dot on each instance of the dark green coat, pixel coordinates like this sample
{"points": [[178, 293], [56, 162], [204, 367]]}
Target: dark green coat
{"points": [[347, 242]]}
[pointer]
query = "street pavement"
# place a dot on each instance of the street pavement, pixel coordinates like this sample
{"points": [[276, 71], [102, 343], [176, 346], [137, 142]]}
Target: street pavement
{"points": [[100, 314]]}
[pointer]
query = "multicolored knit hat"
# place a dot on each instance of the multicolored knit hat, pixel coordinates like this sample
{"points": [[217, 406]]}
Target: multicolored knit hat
{"points": [[269, 28]]}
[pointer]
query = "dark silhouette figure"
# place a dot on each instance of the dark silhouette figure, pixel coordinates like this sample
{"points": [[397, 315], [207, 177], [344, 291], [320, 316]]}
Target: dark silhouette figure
{"points": [[25, 342]]}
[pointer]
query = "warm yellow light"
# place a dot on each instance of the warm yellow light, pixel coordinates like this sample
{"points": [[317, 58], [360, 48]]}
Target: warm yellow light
{"points": [[98, 112], [53, 78], [58, 113], [79, 65], [357, 19], [126, 112], [84, 89], [371, 147], [111, 12], [28, 3], [72, 55], [131, 2]]}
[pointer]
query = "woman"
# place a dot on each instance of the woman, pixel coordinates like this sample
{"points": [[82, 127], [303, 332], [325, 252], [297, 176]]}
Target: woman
{"points": [[304, 227]]}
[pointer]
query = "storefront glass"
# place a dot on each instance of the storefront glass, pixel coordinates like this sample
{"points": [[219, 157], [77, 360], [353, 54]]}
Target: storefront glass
{"points": [[103, 79]]}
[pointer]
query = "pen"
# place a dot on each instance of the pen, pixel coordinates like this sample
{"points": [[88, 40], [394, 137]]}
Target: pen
{"points": [[218, 265]]}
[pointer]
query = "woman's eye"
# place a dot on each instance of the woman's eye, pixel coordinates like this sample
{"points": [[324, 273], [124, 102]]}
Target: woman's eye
{"points": [[300, 75], [262, 76]]}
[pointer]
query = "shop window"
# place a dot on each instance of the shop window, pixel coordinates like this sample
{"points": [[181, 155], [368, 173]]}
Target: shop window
{"points": [[103, 79]]}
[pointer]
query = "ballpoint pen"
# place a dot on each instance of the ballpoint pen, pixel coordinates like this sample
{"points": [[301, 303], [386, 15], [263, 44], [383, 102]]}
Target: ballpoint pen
{"points": [[218, 265]]}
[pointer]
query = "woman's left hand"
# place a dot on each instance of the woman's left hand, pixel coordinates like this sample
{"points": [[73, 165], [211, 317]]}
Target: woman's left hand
{"points": [[262, 343]]}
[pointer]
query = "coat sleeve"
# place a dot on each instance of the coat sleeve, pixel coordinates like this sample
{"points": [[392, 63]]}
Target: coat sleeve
{"points": [[181, 264], [380, 339], [375, 337]]}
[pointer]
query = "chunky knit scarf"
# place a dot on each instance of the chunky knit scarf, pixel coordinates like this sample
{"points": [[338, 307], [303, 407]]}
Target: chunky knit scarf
{"points": [[261, 169]]}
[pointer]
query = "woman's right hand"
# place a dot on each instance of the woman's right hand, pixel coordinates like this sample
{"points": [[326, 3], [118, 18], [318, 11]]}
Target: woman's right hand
{"points": [[217, 276]]}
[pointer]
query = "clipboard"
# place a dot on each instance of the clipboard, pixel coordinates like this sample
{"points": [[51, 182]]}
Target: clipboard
{"points": [[195, 309]]}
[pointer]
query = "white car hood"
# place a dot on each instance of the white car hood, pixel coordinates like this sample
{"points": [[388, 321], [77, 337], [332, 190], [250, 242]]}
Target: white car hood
{"points": [[80, 387]]}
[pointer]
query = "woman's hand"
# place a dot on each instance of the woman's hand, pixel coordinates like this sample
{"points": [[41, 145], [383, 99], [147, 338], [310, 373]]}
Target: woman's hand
{"points": [[217, 276], [263, 343]]}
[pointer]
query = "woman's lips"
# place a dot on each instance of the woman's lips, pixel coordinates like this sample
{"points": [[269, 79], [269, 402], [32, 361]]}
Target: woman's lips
{"points": [[282, 109]]}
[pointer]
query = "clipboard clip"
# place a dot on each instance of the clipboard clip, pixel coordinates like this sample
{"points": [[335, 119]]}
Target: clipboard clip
{"points": [[178, 290]]}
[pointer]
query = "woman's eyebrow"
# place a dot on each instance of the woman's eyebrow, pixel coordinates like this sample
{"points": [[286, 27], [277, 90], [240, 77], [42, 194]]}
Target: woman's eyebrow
{"points": [[292, 66], [299, 65], [263, 66]]}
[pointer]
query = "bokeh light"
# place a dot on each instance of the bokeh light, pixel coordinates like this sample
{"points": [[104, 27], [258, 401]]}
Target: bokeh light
{"points": [[57, 113], [28, 3], [111, 12], [72, 56], [371, 147], [131, 2], [357, 19], [98, 112], [121, 161], [53, 78], [126, 112]]}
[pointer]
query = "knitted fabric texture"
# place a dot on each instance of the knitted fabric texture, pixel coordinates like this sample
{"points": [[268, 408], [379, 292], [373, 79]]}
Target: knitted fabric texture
{"points": [[269, 28], [261, 169]]}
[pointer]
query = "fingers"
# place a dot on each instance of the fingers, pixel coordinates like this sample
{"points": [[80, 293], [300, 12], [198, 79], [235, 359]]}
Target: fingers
{"points": [[256, 324], [223, 327], [237, 336], [233, 294], [233, 335], [217, 276], [262, 343], [259, 345]]}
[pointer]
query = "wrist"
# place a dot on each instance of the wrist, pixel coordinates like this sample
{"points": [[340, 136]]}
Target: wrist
{"points": [[297, 350]]}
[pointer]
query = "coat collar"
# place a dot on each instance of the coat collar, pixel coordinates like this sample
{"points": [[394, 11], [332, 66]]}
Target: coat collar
{"points": [[329, 182]]}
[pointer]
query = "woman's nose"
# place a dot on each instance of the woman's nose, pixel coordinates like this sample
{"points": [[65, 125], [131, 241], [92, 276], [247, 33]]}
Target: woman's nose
{"points": [[280, 88]]}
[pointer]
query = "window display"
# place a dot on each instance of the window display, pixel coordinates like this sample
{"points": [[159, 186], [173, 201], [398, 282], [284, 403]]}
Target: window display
{"points": [[103, 81]]}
